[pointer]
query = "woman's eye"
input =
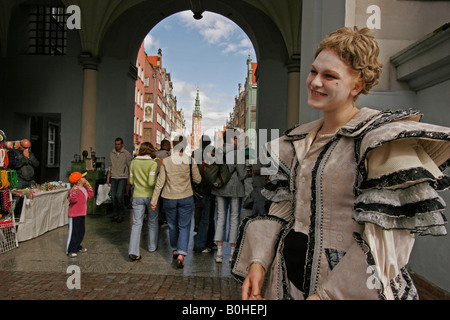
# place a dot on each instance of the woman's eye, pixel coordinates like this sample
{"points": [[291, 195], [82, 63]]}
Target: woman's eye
{"points": [[313, 71]]}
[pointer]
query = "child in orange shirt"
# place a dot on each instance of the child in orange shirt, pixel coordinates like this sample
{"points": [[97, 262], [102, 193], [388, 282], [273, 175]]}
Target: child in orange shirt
{"points": [[78, 195]]}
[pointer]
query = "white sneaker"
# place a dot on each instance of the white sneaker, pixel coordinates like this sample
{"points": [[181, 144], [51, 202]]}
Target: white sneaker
{"points": [[206, 250], [219, 259]]}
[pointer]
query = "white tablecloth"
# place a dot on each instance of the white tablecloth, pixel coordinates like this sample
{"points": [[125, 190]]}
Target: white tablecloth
{"points": [[46, 211]]}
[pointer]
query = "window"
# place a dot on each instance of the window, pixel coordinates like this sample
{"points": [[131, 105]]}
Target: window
{"points": [[158, 137], [47, 31], [160, 104], [146, 81], [51, 153]]}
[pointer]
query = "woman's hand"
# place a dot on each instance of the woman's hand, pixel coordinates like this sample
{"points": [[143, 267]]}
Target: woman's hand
{"points": [[251, 288], [153, 206], [315, 296]]}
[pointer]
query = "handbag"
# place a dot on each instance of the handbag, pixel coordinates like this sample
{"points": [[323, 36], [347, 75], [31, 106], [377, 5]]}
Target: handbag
{"points": [[103, 194]]}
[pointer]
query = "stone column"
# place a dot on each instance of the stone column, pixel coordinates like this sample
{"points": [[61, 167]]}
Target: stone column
{"points": [[89, 107], [293, 99]]}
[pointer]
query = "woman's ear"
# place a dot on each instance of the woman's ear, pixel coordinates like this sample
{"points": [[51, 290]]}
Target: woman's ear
{"points": [[359, 85]]}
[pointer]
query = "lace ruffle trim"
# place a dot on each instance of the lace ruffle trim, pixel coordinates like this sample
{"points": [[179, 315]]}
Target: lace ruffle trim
{"points": [[406, 178], [417, 208]]}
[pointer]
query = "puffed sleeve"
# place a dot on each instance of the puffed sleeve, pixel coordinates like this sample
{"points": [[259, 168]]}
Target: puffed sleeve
{"points": [[400, 191], [258, 239], [397, 200], [259, 235]]}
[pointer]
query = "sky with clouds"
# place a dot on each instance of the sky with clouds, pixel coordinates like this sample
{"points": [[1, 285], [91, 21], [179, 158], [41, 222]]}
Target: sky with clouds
{"points": [[210, 54]]}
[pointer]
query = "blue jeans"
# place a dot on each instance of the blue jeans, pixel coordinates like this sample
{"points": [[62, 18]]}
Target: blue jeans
{"points": [[179, 214], [139, 207], [202, 233], [233, 206], [118, 198]]}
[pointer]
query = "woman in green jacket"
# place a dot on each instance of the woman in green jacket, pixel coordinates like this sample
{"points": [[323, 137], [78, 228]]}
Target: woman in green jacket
{"points": [[143, 177]]}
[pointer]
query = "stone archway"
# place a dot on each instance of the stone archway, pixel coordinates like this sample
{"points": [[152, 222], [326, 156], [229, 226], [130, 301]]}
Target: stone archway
{"points": [[123, 37]]}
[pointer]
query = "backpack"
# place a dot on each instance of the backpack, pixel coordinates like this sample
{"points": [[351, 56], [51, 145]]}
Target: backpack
{"points": [[217, 174]]}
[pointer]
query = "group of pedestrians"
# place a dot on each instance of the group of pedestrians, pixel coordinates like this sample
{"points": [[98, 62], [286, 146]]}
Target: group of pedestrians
{"points": [[171, 187]]}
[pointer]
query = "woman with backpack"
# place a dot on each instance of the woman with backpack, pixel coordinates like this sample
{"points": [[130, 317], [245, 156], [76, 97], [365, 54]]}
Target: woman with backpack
{"points": [[229, 197]]}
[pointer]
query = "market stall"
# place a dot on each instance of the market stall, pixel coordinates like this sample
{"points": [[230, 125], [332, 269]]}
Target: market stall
{"points": [[44, 208], [8, 180]]}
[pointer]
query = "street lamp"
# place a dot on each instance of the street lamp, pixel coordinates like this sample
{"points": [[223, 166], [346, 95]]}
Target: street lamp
{"points": [[197, 9]]}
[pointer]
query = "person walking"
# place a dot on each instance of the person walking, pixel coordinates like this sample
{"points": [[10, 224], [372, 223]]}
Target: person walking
{"points": [[164, 151], [78, 195], [174, 186], [229, 197], [118, 176], [204, 203], [143, 177]]}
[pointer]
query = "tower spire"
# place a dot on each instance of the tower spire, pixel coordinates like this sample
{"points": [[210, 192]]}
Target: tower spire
{"points": [[197, 110], [196, 123]]}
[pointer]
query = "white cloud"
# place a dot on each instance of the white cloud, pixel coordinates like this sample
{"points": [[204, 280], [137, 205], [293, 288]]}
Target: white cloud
{"points": [[214, 28], [244, 47], [151, 44]]}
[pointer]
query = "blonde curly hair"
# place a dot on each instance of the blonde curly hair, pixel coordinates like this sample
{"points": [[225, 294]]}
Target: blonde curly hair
{"points": [[359, 49]]}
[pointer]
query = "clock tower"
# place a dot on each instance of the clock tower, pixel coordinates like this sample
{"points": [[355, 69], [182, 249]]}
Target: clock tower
{"points": [[196, 124]]}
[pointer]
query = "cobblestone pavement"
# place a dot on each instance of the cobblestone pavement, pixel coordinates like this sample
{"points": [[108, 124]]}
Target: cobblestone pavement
{"points": [[17, 285], [40, 269]]}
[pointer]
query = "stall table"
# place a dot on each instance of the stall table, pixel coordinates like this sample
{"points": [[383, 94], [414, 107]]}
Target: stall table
{"points": [[41, 212]]}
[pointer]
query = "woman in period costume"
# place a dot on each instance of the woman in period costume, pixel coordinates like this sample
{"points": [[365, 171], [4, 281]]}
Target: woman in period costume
{"points": [[352, 190]]}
